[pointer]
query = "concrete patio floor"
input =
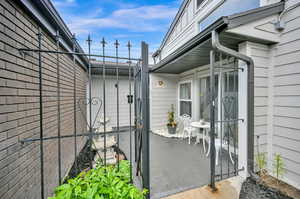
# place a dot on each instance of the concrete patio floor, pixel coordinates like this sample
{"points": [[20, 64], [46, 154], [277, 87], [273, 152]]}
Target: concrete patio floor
{"points": [[175, 166], [226, 189]]}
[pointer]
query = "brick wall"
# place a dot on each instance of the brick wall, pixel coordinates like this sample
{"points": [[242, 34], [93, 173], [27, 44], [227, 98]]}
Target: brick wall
{"points": [[19, 107]]}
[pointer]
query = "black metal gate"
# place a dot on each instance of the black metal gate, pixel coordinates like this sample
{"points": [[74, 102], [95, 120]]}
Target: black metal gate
{"points": [[138, 73], [224, 117]]}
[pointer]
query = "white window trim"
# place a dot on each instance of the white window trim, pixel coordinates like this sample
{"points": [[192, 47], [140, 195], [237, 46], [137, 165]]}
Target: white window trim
{"points": [[202, 5], [184, 100]]}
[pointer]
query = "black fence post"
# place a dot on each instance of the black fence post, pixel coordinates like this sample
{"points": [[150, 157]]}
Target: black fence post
{"points": [[212, 122], [146, 118], [90, 103], [58, 107], [41, 112], [75, 105]]}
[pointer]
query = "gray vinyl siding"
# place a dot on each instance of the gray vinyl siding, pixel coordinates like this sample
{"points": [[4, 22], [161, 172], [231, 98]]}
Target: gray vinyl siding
{"points": [[161, 99], [111, 99], [260, 55], [286, 136]]}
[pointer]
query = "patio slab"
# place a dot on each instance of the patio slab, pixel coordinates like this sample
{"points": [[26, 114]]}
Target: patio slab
{"points": [[175, 166], [226, 189]]}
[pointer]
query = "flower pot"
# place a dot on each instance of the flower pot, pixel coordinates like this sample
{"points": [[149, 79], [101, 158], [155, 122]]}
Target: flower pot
{"points": [[171, 129]]}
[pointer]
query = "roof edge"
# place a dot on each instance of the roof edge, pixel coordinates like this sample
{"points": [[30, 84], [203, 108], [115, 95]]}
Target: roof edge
{"points": [[172, 26], [201, 37], [49, 19]]}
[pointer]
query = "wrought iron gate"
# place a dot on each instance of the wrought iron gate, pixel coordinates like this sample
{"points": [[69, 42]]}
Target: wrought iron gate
{"points": [[224, 111], [138, 73]]}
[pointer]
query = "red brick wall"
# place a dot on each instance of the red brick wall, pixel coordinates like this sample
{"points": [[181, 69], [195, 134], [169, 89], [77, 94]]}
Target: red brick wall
{"points": [[19, 107]]}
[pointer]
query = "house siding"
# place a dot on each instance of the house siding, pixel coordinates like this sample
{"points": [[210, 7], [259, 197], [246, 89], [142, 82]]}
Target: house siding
{"points": [[161, 99], [111, 99], [286, 136], [260, 55], [19, 107]]}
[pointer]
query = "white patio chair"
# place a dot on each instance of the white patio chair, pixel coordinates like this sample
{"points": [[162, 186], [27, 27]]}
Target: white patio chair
{"points": [[187, 128]]}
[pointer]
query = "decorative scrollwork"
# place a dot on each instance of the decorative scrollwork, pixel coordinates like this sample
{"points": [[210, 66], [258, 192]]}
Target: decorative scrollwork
{"points": [[94, 101]]}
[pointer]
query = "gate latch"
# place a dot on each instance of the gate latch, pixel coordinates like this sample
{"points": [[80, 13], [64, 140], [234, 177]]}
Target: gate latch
{"points": [[130, 99]]}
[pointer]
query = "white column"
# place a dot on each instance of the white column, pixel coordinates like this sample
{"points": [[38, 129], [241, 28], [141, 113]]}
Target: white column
{"points": [[242, 104]]}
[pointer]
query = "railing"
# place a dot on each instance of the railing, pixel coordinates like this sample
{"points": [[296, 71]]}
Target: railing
{"points": [[138, 74]]}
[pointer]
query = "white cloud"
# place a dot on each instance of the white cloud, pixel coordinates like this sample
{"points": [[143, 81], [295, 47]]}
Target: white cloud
{"points": [[64, 3], [138, 19]]}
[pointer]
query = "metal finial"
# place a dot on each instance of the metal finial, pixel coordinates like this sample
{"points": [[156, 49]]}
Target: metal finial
{"points": [[103, 42], [89, 39], [117, 44], [128, 44]]}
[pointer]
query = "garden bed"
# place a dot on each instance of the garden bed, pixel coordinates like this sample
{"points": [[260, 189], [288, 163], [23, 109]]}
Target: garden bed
{"points": [[83, 160], [101, 182], [252, 189]]}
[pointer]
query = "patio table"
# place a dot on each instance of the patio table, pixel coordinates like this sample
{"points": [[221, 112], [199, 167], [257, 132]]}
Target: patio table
{"points": [[202, 125]]}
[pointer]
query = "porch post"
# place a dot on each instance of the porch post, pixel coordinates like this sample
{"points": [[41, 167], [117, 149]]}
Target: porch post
{"points": [[242, 107], [145, 116], [212, 121]]}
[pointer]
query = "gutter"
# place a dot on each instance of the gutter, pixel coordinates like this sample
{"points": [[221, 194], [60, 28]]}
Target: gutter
{"points": [[217, 46], [52, 22], [219, 25]]}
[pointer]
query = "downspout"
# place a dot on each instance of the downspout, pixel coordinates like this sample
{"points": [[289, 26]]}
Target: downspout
{"points": [[250, 95]]}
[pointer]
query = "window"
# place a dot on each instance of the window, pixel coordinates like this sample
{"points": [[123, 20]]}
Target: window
{"points": [[185, 100]]}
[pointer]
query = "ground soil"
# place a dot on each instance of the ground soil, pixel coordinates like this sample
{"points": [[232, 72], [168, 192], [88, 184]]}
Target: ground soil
{"points": [[281, 186], [258, 190]]}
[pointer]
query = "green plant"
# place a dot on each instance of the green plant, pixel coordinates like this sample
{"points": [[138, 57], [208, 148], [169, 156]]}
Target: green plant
{"points": [[261, 162], [260, 159], [101, 183], [171, 117], [278, 166]]}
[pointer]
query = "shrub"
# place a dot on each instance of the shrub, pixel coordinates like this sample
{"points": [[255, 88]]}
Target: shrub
{"points": [[101, 183]]}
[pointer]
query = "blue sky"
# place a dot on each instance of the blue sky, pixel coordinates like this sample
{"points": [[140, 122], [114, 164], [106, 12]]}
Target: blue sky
{"points": [[134, 20]]}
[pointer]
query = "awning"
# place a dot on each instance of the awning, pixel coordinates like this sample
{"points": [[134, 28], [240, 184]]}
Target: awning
{"points": [[110, 68], [195, 52]]}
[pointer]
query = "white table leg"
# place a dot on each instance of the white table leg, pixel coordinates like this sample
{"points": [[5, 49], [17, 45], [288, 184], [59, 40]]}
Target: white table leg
{"points": [[203, 140], [208, 150]]}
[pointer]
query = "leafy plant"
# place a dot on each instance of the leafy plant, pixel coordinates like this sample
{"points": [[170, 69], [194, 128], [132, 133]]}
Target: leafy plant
{"points": [[278, 166], [261, 162], [101, 183], [171, 117]]}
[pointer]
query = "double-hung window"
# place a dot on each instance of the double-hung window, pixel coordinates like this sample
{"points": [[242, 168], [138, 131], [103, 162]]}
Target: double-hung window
{"points": [[185, 99]]}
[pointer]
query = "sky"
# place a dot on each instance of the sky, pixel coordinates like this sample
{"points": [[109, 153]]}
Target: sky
{"points": [[125, 20]]}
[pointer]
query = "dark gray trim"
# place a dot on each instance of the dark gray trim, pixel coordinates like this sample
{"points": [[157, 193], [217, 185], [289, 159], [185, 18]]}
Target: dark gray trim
{"points": [[49, 19]]}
